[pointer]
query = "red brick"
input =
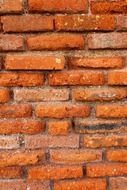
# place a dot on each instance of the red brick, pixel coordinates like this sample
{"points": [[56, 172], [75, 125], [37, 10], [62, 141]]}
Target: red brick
{"points": [[58, 127], [15, 111], [34, 62], [117, 78], [122, 23], [9, 142], [111, 111], [75, 156], [21, 79], [21, 158], [12, 185], [106, 169], [10, 173], [97, 94], [85, 23], [21, 126], [118, 155], [85, 184], [119, 183], [107, 41], [55, 42], [11, 42], [39, 141], [41, 94], [76, 78], [4, 95], [96, 62], [27, 23], [7, 6], [112, 7], [92, 126], [54, 172], [61, 111], [63, 6], [100, 141]]}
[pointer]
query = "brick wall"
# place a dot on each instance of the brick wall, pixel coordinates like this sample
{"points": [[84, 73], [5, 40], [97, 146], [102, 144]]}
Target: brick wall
{"points": [[63, 105]]}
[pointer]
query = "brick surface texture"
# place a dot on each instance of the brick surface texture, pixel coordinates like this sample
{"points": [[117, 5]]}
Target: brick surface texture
{"points": [[63, 94]]}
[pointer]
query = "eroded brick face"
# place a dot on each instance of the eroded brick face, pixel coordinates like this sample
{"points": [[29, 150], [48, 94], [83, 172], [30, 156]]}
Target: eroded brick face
{"points": [[63, 95]]}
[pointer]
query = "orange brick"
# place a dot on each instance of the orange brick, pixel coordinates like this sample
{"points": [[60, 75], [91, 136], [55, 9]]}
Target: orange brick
{"points": [[109, 7], [85, 23], [85, 184], [76, 78], [96, 62], [61, 111], [21, 158], [7, 6], [9, 142], [10, 173], [75, 156], [21, 79], [106, 169], [54, 172], [119, 183], [100, 141], [97, 94], [107, 40], [27, 23], [117, 78], [34, 62], [58, 127], [111, 111], [39, 141], [4, 95], [63, 6], [118, 155], [21, 126], [55, 42], [11, 42]]}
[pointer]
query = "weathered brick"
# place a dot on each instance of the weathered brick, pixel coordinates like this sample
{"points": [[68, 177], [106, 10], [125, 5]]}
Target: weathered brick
{"points": [[63, 6], [10, 173], [13, 185], [54, 172], [75, 156], [27, 23], [21, 158], [4, 95], [100, 141], [44, 185], [21, 126], [122, 23], [119, 183], [85, 184], [111, 7], [10, 6], [41, 94], [9, 142], [118, 155], [15, 111], [39, 141], [106, 169], [11, 42], [111, 111], [76, 78], [96, 62], [56, 42], [21, 79], [117, 78], [97, 94], [107, 41], [61, 110], [58, 127], [34, 62], [85, 23]]}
